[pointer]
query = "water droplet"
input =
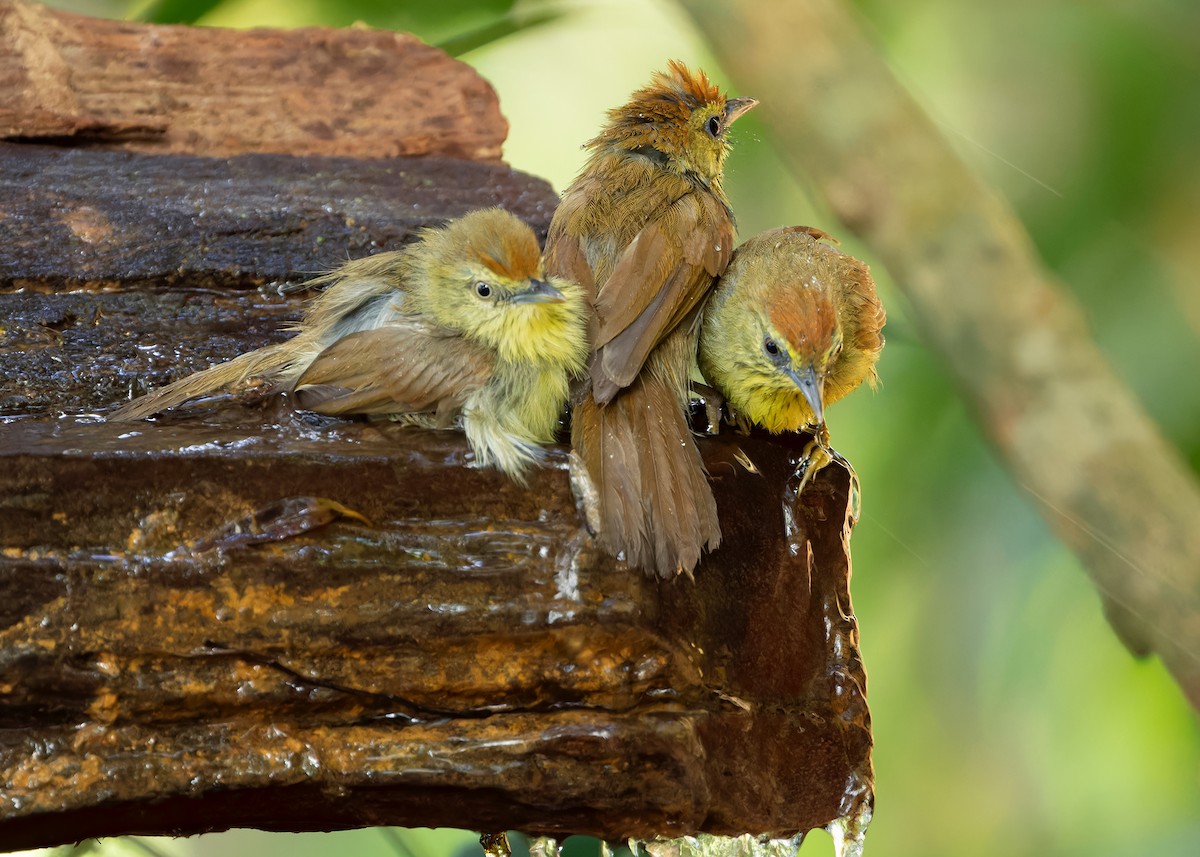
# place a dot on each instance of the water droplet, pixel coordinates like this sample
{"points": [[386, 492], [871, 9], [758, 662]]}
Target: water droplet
{"points": [[495, 844], [849, 832], [706, 845], [854, 501]]}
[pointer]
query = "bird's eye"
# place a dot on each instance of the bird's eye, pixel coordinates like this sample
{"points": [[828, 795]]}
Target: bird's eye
{"points": [[483, 290], [713, 126], [771, 347]]}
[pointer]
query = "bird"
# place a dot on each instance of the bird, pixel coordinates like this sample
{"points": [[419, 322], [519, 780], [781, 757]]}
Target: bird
{"points": [[793, 325], [645, 228], [461, 328]]}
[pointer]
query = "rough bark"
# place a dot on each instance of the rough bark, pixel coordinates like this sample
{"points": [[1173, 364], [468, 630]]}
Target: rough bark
{"points": [[1071, 433], [209, 91], [173, 662], [81, 218]]}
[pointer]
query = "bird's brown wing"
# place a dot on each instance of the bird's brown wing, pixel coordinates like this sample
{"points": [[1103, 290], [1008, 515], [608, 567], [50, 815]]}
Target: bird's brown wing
{"points": [[657, 282], [394, 369], [565, 255]]}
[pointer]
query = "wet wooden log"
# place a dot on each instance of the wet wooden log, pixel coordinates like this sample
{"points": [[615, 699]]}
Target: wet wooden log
{"points": [[84, 218], [247, 615], [462, 657], [194, 637], [97, 242]]}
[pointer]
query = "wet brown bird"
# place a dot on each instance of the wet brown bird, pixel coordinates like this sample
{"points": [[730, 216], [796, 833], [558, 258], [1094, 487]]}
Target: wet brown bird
{"points": [[792, 326], [460, 328], [645, 228]]}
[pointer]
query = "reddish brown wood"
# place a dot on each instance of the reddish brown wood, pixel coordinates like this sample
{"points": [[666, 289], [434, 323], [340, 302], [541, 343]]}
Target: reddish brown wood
{"points": [[312, 91]]}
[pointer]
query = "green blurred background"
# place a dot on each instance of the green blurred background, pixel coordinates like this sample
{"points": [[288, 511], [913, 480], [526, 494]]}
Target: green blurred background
{"points": [[1008, 719]]}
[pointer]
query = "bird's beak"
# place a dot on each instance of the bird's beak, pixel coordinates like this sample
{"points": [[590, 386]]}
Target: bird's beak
{"points": [[810, 385], [539, 292], [735, 107]]}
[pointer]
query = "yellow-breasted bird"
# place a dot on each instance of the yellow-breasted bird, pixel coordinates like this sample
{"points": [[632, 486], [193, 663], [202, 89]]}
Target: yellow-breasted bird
{"points": [[645, 228], [462, 327], [792, 326]]}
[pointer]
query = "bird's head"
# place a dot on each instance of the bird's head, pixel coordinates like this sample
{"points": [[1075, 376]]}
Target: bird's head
{"points": [[680, 121], [799, 342], [792, 326], [772, 333], [484, 278]]}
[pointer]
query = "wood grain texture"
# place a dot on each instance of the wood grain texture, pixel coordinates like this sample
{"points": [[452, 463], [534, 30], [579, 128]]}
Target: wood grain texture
{"points": [[208, 91], [466, 658], [81, 218]]}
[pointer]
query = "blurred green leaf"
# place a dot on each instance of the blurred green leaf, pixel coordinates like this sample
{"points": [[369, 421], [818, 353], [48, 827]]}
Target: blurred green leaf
{"points": [[177, 11], [461, 24], [455, 26], [433, 22], [394, 837], [499, 29]]}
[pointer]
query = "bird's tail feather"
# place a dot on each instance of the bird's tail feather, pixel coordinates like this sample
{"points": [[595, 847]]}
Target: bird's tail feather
{"points": [[271, 362], [655, 504]]}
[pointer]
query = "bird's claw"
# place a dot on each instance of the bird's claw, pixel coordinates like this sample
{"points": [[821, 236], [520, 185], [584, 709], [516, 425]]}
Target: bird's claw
{"points": [[817, 455], [711, 400], [738, 420]]}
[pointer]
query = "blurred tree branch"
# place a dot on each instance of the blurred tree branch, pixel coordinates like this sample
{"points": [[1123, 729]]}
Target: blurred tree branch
{"points": [[1017, 343]]}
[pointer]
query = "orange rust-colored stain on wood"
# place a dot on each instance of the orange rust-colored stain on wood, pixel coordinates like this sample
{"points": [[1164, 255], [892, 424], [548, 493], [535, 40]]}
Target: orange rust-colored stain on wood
{"points": [[104, 707]]}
